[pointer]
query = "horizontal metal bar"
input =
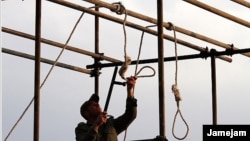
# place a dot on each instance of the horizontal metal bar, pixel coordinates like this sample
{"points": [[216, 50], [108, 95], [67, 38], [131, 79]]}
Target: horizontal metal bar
{"points": [[242, 2], [146, 61], [184, 57], [219, 12], [47, 61], [167, 25], [133, 25], [60, 45]]}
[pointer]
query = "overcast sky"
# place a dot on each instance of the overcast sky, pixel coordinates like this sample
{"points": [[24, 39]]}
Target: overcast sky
{"points": [[65, 90]]}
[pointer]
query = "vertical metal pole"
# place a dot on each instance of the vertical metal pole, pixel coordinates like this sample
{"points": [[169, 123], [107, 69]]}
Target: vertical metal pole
{"points": [[110, 89], [37, 70], [214, 95], [96, 61], [161, 68]]}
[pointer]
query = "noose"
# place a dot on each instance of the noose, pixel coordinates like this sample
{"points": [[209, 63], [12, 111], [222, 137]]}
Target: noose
{"points": [[127, 60], [138, 59], [176, 91], [136, 73]]}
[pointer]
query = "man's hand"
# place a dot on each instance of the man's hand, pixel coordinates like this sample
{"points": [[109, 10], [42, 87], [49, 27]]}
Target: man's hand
{"points": [[131, 81], [101, 119], [130, 85]]}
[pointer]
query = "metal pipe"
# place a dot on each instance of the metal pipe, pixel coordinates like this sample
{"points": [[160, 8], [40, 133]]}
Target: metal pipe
{"points": [[144, 61], [183, 57], [47, 61], [243, 3], [207, 39], [96, 61], [37, 70], [219, 12], [130, 24], [166, 25], [110, 89], [214, 93], [74, 49], [161, 68], [60, 45]]}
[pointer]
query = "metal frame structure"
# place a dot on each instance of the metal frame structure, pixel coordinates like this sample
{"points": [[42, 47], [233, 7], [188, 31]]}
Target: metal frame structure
{"points": [[204, 52]]}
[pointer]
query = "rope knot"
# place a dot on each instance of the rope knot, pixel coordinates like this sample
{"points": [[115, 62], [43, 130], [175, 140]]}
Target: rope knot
{"points": [[171, 26], [176, 92], [124, 67], [120, 9]]}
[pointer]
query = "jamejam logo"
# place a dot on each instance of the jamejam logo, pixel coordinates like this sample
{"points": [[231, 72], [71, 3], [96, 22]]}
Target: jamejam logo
{"points": [[226, 132]]}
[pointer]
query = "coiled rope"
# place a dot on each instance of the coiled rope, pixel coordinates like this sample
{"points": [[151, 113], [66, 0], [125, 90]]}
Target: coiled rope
{"points": [[176, 91], [48, 74]]}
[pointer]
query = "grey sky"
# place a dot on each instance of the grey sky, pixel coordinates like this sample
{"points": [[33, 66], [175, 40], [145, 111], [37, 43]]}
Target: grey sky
{"points": [[65, 90]]}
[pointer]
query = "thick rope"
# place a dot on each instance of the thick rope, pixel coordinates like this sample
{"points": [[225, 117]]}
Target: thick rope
{"points": [[138, 72], [138, 58], [176, 92], [127, 60], [52, 67]]}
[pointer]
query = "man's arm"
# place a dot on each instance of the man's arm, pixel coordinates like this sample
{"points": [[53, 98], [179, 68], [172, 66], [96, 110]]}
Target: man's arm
{"points": [[122, 122]]}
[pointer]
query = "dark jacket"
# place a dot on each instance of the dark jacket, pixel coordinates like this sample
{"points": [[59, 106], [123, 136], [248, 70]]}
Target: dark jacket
{"points": [[109, 130]]}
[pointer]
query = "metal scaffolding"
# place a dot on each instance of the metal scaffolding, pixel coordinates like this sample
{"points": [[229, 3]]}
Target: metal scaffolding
{"points": [[94, 69]]}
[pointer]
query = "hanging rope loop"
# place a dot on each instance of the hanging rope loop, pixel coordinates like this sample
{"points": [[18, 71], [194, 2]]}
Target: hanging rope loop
{"points": [[176, 90], [175, 117], [177, 95], [150, 75]]}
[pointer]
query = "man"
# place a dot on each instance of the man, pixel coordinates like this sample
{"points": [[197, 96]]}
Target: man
{"points": [[101, 128]]}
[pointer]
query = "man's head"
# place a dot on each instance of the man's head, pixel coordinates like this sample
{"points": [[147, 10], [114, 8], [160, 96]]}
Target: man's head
{"points": [[91, 108]]}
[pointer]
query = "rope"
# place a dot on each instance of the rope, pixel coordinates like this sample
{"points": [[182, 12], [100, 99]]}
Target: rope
{"points": [[138, 72], [127, 60], [52, 67], [138, 58], [176, 92], [144, 67]]}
